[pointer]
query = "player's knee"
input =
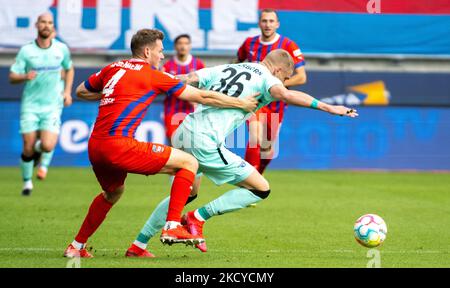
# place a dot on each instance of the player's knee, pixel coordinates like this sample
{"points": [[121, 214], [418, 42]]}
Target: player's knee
{"points": [[47, 146], [113, 195], [28, 151], [190, 163], [264, 185], [263, 194]]}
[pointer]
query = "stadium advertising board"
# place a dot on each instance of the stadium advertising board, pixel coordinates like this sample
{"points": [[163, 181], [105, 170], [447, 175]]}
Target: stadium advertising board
{"points": [[382, 138]]}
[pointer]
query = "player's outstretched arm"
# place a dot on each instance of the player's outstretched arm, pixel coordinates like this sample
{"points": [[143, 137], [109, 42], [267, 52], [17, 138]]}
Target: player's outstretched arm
{"points": [[213, 98], [298, 98], [84, 93]]}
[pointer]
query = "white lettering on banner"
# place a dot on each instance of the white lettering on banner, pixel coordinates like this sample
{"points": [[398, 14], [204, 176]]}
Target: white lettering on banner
{"points": [[225, 17], [176, 16], [74, 134], [17, 20], [151, 131], [107, 30], [25, 10]]}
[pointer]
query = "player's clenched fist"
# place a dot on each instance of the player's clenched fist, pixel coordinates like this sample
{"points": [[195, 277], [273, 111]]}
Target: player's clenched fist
{"points": [[343, 111], [250, 102]]}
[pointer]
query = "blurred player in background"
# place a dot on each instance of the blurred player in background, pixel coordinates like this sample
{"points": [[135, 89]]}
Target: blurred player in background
{"points": [[264, 127], [125, 90], [203, 135], [38, 64], [175, 109]]}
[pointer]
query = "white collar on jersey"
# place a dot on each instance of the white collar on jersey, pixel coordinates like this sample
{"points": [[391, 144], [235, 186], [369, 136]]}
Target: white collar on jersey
{"points": [[270, 42], [187, 62]]}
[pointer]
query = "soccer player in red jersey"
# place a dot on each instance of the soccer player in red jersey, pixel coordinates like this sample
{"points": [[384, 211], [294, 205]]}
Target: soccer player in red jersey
{"points": [[125, 90], [267, 121], [175, 109]]}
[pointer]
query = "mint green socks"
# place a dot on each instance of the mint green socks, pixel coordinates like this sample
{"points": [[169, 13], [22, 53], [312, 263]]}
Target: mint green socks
{"points": [[46, 158], [26, 166], [155, 223], [231, 201]]}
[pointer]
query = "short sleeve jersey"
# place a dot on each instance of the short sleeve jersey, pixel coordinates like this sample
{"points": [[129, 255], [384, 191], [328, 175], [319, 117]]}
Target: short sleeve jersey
{"points": [[43, 92], [235, 80], [173, 105], [128, 87], [255, 50]]}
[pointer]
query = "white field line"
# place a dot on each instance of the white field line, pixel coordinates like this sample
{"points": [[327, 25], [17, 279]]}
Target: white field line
{"points": [[337, 251]]}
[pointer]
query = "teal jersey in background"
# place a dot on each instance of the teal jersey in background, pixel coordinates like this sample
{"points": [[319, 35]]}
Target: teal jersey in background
{"points": [[235, 80], [45, 91]]}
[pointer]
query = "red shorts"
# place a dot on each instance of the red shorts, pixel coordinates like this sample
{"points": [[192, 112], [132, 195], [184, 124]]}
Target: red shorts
{"points": [[172, 122], [271, 122], [113, 158]]}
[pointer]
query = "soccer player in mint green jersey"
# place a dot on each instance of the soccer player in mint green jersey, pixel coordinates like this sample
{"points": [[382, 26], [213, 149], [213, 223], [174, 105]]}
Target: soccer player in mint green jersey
{"points": [[203, 134], [39, 65]]}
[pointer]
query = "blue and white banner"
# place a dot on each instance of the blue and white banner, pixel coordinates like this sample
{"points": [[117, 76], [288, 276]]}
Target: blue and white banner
{"points": [[329, 26], [334, 87], [381, 138]]}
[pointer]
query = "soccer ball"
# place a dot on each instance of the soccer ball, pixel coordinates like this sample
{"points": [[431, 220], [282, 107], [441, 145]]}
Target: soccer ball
{"points": [[370, 230]]}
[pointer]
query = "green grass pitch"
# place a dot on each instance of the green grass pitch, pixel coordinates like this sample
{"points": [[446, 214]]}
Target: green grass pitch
{"points": [[306, 222]]}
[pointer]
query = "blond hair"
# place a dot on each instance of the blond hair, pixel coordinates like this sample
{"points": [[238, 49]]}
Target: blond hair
{"points": [[280, 58]]}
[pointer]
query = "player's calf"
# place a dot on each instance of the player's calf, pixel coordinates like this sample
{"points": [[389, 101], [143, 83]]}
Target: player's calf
{"points": [[26, 165]]}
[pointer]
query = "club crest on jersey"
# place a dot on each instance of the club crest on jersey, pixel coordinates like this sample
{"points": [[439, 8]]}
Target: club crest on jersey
{"points": [[243, 164], [157, 149]]}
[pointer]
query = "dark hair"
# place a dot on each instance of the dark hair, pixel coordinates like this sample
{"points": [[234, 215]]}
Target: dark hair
{"points": [[268, 10], [143, 38], [182, 36]]}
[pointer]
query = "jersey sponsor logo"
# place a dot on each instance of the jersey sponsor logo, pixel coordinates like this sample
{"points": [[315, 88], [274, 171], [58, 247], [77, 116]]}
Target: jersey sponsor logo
{"points": [[106, 101], [297, 53], [252, 69], [128, 65]]}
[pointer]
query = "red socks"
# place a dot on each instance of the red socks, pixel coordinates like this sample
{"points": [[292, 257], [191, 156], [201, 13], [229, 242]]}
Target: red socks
{"points": [[263, 164], [253, 155], [181, 188], [96, 214]]}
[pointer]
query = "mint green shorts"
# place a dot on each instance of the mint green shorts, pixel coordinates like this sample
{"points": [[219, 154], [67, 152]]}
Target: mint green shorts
{"points": [[40, 121], [217, 163]]}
